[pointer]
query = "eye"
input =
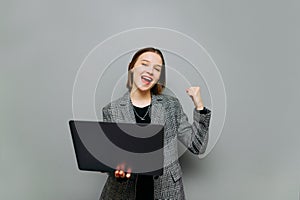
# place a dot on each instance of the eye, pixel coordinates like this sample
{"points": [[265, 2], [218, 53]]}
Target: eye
{"points": [[157, 68], [144, 64]]}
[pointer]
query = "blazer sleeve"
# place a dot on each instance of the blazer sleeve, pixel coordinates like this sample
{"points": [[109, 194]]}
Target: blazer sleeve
{"points": [[194, 136], [106, 118], [106, 114]]}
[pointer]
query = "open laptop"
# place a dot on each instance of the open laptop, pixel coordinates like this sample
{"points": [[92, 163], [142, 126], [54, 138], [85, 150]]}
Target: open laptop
{"points": [[107, 146]]}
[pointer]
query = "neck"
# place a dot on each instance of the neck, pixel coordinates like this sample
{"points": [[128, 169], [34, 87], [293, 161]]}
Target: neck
{"points": [[140, 98]]}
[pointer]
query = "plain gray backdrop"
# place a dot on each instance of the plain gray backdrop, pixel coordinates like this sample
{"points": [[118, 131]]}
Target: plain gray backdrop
{"points": [[255, 44]]}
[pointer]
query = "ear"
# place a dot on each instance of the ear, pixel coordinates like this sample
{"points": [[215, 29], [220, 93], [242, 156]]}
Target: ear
{"points": [[131, 71]]}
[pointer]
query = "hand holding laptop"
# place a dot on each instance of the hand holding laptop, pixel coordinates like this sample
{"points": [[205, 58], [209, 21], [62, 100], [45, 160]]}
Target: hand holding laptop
{"points": [[122, 174]]}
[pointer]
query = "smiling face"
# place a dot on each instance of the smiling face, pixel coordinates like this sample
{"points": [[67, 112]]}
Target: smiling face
{"points": [[146, 71]]}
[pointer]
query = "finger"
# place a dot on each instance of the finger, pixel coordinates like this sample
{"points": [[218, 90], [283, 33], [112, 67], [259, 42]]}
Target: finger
{"points": [[128, 175], [188, 90], [193, 90], [117, 174], [122, 174], [190, 93]]}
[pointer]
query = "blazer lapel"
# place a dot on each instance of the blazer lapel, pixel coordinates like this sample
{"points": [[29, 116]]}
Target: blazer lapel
{"points": [[127, 109], [157, 110]]}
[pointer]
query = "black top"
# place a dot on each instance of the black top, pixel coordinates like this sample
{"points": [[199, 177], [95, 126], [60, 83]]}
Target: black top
{"points": [[142, 113], [145, 186]]}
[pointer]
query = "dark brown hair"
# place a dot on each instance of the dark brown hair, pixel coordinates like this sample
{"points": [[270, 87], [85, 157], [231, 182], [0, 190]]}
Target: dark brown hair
{"points": [[160, 85]]}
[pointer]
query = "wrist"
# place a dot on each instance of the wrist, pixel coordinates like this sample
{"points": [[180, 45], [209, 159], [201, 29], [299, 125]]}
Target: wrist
{"points": [[200, 107]]}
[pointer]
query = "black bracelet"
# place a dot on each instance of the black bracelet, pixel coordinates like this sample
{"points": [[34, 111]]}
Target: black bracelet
{"points": [[204, 111]]}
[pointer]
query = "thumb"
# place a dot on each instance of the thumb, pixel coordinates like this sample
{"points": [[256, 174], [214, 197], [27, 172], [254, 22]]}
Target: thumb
{"points": [[188, 90]]}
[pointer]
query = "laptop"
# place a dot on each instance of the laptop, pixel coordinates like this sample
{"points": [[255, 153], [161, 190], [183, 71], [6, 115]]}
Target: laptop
{"points": [[108, 146]]}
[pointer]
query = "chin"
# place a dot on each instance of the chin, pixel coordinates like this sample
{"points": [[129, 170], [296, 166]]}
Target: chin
{"points": [[145, 89]]}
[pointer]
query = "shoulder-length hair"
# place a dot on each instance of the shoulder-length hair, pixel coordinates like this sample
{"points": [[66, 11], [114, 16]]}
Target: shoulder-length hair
{"points": [[160, 85]]}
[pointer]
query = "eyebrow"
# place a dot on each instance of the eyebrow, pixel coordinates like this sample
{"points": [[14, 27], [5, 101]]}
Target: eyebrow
{"points": [[145, 60], [157, 65]]}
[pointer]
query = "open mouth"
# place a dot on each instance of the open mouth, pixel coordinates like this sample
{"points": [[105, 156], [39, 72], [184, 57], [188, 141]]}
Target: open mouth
{"points": [[146, 79]]}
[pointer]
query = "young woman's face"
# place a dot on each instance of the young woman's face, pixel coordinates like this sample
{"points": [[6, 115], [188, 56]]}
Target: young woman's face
{"points": [[146, 71]]}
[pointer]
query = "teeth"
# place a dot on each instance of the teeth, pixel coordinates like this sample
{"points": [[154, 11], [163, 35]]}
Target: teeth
{"points": [[147, 78]]}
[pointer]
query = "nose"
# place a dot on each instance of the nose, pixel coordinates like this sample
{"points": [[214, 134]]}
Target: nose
{"points": [[149, 70]]}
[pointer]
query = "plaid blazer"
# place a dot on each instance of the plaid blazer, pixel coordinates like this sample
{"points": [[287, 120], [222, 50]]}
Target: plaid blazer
{"points": [[166, 110]]}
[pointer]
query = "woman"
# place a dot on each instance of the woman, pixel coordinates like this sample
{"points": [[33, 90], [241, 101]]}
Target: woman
{"points": [[145, 103]]}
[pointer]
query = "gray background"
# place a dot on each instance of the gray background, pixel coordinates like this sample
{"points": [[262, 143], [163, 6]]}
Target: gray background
{"points": [[253, 42]]}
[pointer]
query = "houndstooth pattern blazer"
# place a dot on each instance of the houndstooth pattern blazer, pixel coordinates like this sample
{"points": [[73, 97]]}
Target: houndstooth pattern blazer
{"points": [[166, 110]]}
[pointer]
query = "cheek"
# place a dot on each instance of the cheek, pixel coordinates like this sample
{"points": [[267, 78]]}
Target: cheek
{"points": [[157, 75], [136, 74], [136, 70]]}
